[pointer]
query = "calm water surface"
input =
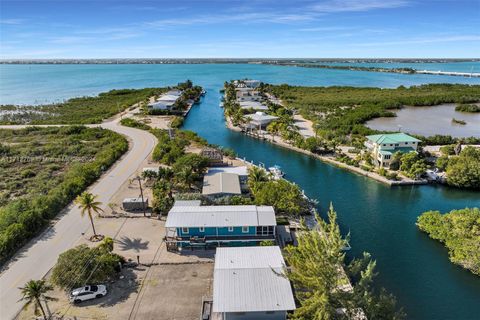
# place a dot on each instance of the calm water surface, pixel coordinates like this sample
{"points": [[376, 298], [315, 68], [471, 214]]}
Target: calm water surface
{"points": [[429, 121], [381, 219], [469, 66]]}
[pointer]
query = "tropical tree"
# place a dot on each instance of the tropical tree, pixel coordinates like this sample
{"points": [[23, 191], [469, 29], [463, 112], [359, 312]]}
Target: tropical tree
{"points": [[34, 291], [255, 176], [185, 177], [273, 128], [325, 284], [87, 204]]}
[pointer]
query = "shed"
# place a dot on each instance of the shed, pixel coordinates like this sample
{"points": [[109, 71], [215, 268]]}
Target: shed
{"points": [[134, 204]]}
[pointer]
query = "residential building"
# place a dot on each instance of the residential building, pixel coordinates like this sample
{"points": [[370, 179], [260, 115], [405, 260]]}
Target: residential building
{"points": [[166, 100], [255, 105], [205, 226], [383, 146], [250, 283], [247, 94], [221, 184], [241, 171], [161, 105], [260, 119]]}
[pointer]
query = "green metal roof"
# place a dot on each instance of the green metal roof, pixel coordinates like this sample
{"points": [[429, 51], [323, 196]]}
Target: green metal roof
{"points": [[392, 138]]}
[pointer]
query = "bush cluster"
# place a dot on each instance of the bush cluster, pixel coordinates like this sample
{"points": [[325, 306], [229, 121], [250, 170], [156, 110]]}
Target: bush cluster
{"points": [[24, 217]]}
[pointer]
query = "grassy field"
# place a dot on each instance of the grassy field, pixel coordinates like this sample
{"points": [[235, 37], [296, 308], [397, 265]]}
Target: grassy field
{"points": [[340, 111], [42, 170], [82, 110]]}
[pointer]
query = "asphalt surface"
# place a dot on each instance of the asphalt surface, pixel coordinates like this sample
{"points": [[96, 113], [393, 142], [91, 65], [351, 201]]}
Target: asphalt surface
{"points": [[40, 255]]}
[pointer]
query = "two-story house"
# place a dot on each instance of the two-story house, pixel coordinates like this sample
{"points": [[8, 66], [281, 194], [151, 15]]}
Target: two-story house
{"points": [[209, 226], [383, 146]]}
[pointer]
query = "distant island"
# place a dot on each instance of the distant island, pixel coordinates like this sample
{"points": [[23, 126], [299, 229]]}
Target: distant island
{"points": [[230, 60]]}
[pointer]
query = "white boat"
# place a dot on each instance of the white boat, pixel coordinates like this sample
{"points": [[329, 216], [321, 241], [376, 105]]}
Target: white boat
{"points": [[203, 92], [221, 104], [276, 171]]}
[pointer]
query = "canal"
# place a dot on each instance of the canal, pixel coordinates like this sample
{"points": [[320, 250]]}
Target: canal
{"points": [[380, 219]]}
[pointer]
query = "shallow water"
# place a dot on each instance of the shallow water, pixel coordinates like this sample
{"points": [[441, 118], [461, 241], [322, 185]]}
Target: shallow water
{"points": [[380, 219], [429, 121]]}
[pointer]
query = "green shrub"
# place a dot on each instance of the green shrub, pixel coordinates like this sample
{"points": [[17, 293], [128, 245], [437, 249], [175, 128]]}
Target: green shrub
{"points": [[464, 170], [129, 122], [458, 230], [467, 108], [81, 265], [44, 196]]}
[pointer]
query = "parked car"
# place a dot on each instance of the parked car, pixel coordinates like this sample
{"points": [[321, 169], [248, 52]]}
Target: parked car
{"points": [[87, 293]]}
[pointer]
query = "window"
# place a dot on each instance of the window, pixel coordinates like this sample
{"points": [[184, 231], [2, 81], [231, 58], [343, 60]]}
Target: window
{"points": [[201, 229], [245, 229], [230, 229], [185, 230]]}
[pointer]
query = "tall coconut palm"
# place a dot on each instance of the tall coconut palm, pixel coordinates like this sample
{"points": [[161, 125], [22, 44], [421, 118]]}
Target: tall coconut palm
{"points": [[33, 292], [86, 202]]}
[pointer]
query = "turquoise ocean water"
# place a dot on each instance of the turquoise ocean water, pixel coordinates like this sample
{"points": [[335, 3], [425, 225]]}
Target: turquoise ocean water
{"points": [[380, 219]]}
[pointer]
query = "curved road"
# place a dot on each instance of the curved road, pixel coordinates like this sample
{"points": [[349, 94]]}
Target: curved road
{"points": [[40, 254]]}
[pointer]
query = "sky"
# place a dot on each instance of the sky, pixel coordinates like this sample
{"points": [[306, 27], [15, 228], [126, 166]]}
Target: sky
{"points": [[240, 29]]}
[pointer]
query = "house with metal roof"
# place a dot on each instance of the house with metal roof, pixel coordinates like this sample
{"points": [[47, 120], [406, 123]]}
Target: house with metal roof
{"points": [[383, 146], [221, 184], [241, 171], [255, 105], [250, 283], [247, 94], [208, 226], [260, 119]]}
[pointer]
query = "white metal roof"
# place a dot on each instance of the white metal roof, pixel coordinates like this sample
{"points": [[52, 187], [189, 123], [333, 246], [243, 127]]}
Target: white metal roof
{"points": [[260, 116], [187, 203], [220, 216], [250, 279], [252, 104], [241, 171], [168, 97], [221, 183]]}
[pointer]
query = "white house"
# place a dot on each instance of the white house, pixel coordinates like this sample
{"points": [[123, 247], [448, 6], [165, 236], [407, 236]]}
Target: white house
{"points": [[383, 146], [247, 94], [256, 105], [260, 119], [250, 283]]}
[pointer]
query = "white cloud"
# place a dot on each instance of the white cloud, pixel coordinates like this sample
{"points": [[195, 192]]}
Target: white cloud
{"points": [[332, 6], [12, 21]]}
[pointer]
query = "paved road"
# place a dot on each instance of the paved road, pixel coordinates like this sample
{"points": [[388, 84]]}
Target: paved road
{"points": [[41, 254]]}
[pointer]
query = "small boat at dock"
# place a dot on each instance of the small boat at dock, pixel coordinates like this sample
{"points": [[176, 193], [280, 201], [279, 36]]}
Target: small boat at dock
{"points": [[276, 171]]}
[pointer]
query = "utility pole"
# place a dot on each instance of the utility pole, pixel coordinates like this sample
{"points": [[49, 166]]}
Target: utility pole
{"points": [[141, 194]]}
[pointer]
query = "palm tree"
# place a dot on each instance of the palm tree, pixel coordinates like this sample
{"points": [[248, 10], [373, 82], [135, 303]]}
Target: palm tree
{"points": [[255, 176], [186, 177], [33, 292], [273, 127], [86, 202]]}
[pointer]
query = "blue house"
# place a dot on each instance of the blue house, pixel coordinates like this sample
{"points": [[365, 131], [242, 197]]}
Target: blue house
{"points": [[203, 226]]}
